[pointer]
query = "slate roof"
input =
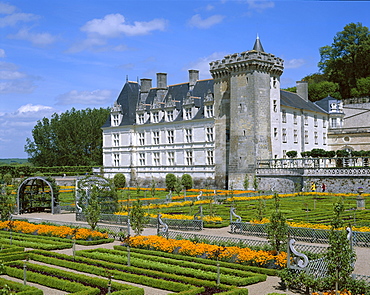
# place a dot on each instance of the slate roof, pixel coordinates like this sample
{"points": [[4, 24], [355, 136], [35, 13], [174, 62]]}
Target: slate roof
{"points": [[129, 100], [291, 99], [324, 103]]}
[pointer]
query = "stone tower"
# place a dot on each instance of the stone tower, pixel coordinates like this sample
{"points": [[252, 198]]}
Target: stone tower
{"points": [[247, 106]]}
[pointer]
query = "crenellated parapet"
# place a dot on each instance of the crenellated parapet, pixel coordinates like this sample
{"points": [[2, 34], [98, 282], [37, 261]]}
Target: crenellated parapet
{"points": [[247, 61]]}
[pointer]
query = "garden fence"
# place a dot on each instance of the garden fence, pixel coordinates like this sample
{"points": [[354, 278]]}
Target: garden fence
{"points": [[310, 235], [178, 224]]}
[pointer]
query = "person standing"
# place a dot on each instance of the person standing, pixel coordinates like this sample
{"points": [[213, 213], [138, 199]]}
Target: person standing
{"points": [[313, 186], [323, 187]]}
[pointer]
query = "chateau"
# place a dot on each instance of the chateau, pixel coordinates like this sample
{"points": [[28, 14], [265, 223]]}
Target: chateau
{"points": [[215, 129]]}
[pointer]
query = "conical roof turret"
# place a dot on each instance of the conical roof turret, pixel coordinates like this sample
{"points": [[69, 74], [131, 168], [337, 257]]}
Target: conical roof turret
{"points": [[258, 45]]}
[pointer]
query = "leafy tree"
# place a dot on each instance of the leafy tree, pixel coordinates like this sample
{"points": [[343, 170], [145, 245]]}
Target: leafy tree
{"points": [[246, 182], [340, 255], [138, 217], [152, 188], [73, 138], [347, 59], [178, 186], [93, 209], [119, 180], [317, 91], [277, 229], [7, 178], [170, 181], [187, 181], [362, 88]]}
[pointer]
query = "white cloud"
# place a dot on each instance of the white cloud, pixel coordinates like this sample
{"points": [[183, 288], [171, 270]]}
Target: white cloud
{"points": [[96, 97], [294, 63], [197, 21], [2, 53], [13, 19], [32, 109], [114, 25], [40, 39], [14, 81], [6, 8], [260, 5], [202, 64]]}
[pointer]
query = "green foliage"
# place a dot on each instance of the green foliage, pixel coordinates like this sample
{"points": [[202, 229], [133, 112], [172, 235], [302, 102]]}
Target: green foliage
{"points": [[26, 170], [246, 182], [186, 181], [362, 88], [178, 186], [340, 255], [119, 180], [346, 60], [318, 91], [71, 138], [255, 182], [261, 209], [152, 188], [291, 154], [138, 217], [7, 202], [277, 229], [93, 209], [170, 181], [7, 178]]}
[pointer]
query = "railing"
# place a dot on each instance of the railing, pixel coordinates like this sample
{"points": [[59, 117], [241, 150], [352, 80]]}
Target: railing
{"points": [[360, 239], [179, 224]]}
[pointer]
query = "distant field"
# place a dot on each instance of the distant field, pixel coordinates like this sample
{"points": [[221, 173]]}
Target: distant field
{"points": [[12, 161]]}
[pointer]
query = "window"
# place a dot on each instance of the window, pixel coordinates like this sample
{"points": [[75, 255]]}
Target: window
{"points": [[284, 154], [209, 134], [209, 157], [305, 119], [188, 135], [295, 135], [275, 133], [170, 116], [275, 105], [156, 159], [188, 114], [141, 138], [315, 121], [284, 135], [170, 136], [115, 120], [295, 118], [115, 139], [209, 111], [189, 158], [155, 116], [142, 159], [141, 118], [316, 138], [116, 160], [155, 137], [171, 158], [333, 107], [283, 116], [333, 122], [324, 138], [306, 136], [324, 122]]}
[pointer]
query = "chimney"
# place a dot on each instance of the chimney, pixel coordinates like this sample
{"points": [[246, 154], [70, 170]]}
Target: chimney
{"points": [[146, 84], [302, 89], [193, 78], [161, 80]]}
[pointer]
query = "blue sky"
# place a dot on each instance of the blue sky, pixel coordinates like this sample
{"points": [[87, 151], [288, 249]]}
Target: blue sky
{"points": [[55, 55]]}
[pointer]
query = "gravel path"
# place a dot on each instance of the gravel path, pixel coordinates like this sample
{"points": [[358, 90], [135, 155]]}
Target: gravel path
{"points": [[271, 285]]}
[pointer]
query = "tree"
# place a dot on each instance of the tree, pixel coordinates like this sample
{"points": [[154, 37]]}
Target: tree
{"points": [[277, 229], [170, 181], [340, 255], [73, 138], [362, 88], [348, 58], [93, 209], [138, 217], [317, 91], [7, 202], [186, 181], [119, 180]]}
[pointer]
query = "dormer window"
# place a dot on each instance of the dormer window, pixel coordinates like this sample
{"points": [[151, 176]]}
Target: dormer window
{"points": [[141, 118], [170, 115], [209, 111], [155, 117], [188, 113], [115, 118], [333, 107]]}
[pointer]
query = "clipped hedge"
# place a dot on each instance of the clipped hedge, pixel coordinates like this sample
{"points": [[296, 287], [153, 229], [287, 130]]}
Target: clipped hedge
{"points": [[68, 281], [19, 288], [27, 170]]}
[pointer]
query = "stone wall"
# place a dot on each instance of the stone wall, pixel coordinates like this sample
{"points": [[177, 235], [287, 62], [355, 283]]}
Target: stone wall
{"points": [[288, 184]]}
